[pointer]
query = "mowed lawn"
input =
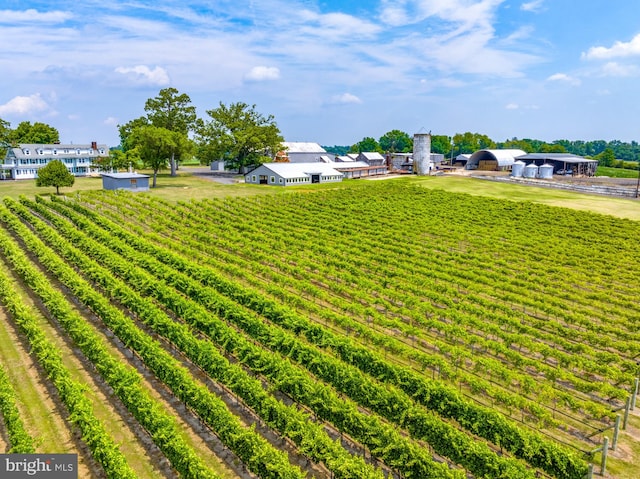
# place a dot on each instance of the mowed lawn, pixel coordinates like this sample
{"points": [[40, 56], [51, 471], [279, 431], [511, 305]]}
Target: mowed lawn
{"points": [[188, 186]]}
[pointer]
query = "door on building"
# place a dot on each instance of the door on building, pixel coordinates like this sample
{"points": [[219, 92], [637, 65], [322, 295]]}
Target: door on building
{"points": [[315, 178], [263, 179]]}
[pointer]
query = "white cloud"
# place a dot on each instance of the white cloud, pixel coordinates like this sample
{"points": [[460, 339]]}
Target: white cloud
{"points": [[143, 74], [262, 73], [110, 121], [515, 106], [618, 50], [33, 16], [533, 6], [563, 77], [346, 98], [614, 69], [459, 36], [24, 105], [334, 25]]}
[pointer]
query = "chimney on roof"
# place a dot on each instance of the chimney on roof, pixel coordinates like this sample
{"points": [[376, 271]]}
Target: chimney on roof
{"points": [[94, 145]]}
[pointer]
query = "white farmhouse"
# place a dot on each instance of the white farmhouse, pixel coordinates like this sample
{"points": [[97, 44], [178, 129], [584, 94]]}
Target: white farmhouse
{"points": [[24, 161]]}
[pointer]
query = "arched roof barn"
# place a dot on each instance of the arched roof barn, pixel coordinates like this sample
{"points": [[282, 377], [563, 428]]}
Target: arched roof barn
{"points": [[493, 160]]}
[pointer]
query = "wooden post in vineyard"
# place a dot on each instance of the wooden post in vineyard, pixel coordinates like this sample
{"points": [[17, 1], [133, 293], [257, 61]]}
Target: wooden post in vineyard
{"points": [[616, 431], [626, 414], [605, 450]]}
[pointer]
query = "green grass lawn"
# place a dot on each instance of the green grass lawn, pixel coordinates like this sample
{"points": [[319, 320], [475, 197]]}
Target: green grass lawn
{"points": [[619, 207]]}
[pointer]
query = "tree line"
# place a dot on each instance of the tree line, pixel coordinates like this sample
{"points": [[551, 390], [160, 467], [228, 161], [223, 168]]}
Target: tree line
{"points": [[396, 141], [171, 131]]}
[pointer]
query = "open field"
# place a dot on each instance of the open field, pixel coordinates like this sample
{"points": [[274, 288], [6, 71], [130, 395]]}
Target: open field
{"points": [[397, 327], [617, 172]]}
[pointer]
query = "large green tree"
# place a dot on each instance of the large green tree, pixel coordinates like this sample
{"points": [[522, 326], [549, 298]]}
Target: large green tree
{"points": [[366, 144], [5, 141], [441, 144], [39, 133], [154, 146], [396, 141], [470, 142], [117, 160], [606, 158], [239, 135], [173, 110], [55, 174]]}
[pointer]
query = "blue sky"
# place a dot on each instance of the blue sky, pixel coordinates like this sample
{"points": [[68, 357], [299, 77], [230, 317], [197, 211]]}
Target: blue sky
{"points": [[329, 72]]}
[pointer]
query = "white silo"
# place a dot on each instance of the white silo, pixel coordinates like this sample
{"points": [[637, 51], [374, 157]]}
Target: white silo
{"points": [[517, 169], [545, 171], [421, 153], [531, 170]]}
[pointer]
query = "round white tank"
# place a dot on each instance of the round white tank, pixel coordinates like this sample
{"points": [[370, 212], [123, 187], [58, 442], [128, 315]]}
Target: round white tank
{"points": [[517, 169], [530, 171], [545, 171], [421, 153]]}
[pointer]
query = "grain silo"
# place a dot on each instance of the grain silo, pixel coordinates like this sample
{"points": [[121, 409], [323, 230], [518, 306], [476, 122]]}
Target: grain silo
{"points": [[531, 171], [545, 171], [421, 153], [517, 169]]}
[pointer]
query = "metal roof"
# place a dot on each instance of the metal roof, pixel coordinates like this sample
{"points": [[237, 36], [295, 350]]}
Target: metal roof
{"points": [[503, 157], [566, 157], [300, 170], [36, 150], [125, 175], [302, 147], [372, 155]]}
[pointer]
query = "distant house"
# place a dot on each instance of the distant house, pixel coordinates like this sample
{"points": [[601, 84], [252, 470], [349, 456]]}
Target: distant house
{"points": [[24, 161], [125, 181], [288, 174]]}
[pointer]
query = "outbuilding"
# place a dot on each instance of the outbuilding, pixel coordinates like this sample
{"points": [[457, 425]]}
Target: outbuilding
{"points": [[563, 163], [493, 160], [300, 152], [125, 181], [288, 174]]}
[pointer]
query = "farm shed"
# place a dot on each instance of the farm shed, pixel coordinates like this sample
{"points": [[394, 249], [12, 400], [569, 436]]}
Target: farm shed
{"points": [[493, 160], [287, 174], [372, 158], [300, 152], [360, 169], [125, 181], [563, 163]]}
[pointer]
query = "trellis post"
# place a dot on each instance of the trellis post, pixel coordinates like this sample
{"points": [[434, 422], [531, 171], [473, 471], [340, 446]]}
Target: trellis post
{"points": [[635, 394], [616, 430], [626, 414], [605, 450]]}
